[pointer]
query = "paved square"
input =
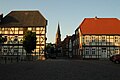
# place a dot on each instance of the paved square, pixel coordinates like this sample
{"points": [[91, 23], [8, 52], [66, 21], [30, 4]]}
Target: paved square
{"points": [[61, 70]]}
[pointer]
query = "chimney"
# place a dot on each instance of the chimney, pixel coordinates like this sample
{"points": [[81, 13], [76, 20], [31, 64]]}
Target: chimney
{"points": [[66, 36], [1, 17], [96, 17]]}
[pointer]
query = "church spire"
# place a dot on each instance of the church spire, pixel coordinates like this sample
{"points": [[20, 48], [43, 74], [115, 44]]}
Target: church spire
{"points": [[58, 30], [58, 35]]}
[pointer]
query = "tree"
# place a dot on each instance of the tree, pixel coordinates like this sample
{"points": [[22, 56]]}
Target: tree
{"points": [[3, 39], [48, 46], [29, 41]]}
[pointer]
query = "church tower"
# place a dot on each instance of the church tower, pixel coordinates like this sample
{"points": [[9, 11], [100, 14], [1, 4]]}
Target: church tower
{"points": [[58, 36]]}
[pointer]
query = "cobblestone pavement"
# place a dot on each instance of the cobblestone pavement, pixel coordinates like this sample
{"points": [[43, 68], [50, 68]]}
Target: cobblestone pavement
{"points": [[61, 70]]}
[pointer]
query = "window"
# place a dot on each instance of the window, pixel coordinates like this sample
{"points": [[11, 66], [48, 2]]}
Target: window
{"points": [[16, 38], [37, 28], [11, 32], [16, 28], [116, 39], [87, 39], [38, 42], [20, 32], [93, 39], [37, 50], [116, 51], [16, 50], [37, 47], [86, 51], [103, 39], [37, 32], [29, 28], [16, 32], [6, 32], [2, 28], [103, 50], [93, 51], [5, 50]]}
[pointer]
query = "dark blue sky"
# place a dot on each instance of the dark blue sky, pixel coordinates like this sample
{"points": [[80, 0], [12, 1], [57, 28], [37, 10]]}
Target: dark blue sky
{"points": [[69, 13]]}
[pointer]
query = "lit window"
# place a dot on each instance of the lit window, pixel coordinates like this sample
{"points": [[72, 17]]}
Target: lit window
{"points": [[16, 32], [30, 29], [37, 47], [11, 32], [20, 32], [16, 28], [37, 32], [37, 50], [6, 32], [43, 32], [12, 29], [2, 28], [37, 28]]}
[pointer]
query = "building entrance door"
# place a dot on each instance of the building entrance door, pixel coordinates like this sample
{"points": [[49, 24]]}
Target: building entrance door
{"points": [[104, 53]]}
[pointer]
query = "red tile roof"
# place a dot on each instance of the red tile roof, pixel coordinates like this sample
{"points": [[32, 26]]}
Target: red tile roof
{"points": [[100, 26]]}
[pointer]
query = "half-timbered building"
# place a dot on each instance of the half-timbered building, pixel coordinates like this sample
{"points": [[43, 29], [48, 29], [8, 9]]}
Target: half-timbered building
{"points": [[98, 38], [15, 24]]}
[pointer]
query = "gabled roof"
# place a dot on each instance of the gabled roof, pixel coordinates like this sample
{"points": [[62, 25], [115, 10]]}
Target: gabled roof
{"points": [[100, 26], [24, 18]]}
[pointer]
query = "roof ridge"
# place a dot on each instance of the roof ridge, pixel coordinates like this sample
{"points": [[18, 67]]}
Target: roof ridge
{"points": [[23, 10]]}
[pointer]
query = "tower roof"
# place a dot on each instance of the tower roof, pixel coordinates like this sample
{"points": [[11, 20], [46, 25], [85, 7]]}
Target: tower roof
{"points": [[58, 35], [58, 30]]}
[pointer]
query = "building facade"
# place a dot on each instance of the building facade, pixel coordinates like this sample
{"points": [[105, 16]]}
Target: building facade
{"points": [[98, 38], [67, 46], [15, 24]]}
